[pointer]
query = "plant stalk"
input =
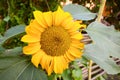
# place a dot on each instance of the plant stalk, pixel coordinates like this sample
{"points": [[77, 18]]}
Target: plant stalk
{"points": [[102, 5], [90, 70]]}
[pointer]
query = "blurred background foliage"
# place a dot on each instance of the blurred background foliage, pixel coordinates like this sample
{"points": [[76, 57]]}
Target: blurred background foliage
{"points": [[16, 12]]}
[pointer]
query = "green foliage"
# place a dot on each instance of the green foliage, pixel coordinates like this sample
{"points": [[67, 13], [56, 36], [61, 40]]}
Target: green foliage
{"points": [[100, 78], [103, 47], [1, 49], [19, 12], [67, 74], [16, 66], [12, 52], [77, 74], [2, 29], [12, 32], [79, 12], [6, 19], [74, 72], [19, 67], [106, 40]]}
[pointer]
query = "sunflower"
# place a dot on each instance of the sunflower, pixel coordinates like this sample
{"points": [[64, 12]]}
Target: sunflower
{"points": [[53, 40]]}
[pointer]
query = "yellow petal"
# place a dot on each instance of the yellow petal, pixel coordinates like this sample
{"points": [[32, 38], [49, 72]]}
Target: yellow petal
{"points": [[42, 62], [68, 15], [66, 58], [75, 27], [33, 32], [36, 58], [75, 52], [35, 26], [31, 48], [48, 62], [58, 65], [45, 61], [57, 19], [51, 67], [79, 21], [83, 26], [63, 60], [77, 44], [67, 18], [48, 18], [39, 17], [77, 35], [28, 38], [68, 23], [60, 16], [69, 56]]}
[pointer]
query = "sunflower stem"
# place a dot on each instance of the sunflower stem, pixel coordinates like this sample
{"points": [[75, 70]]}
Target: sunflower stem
{"points": [[90, 70], [102, 5]]}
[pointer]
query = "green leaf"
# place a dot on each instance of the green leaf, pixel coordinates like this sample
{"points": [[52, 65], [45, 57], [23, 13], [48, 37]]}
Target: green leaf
{"points": [[103, 46], [1, 49], [1, 36], [1, 39], [19, 68], [77, 74], [51, 77], [101, 78], [79, 12], [83, 61], [12, 52], [12, 32], [7, 18], [66, 75]]}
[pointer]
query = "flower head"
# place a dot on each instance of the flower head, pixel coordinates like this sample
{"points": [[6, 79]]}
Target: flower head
{"points": [[53, 40]]}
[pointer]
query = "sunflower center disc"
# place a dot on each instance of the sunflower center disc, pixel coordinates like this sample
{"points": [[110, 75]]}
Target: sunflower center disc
{"points": [[55, 41]]}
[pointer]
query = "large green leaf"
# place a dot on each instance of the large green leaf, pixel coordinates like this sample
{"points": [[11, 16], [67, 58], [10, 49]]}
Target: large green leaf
{"points": [[79, 12], [12, 52], [12, 32], [103, 46], [19, 68], [1, 49]]}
